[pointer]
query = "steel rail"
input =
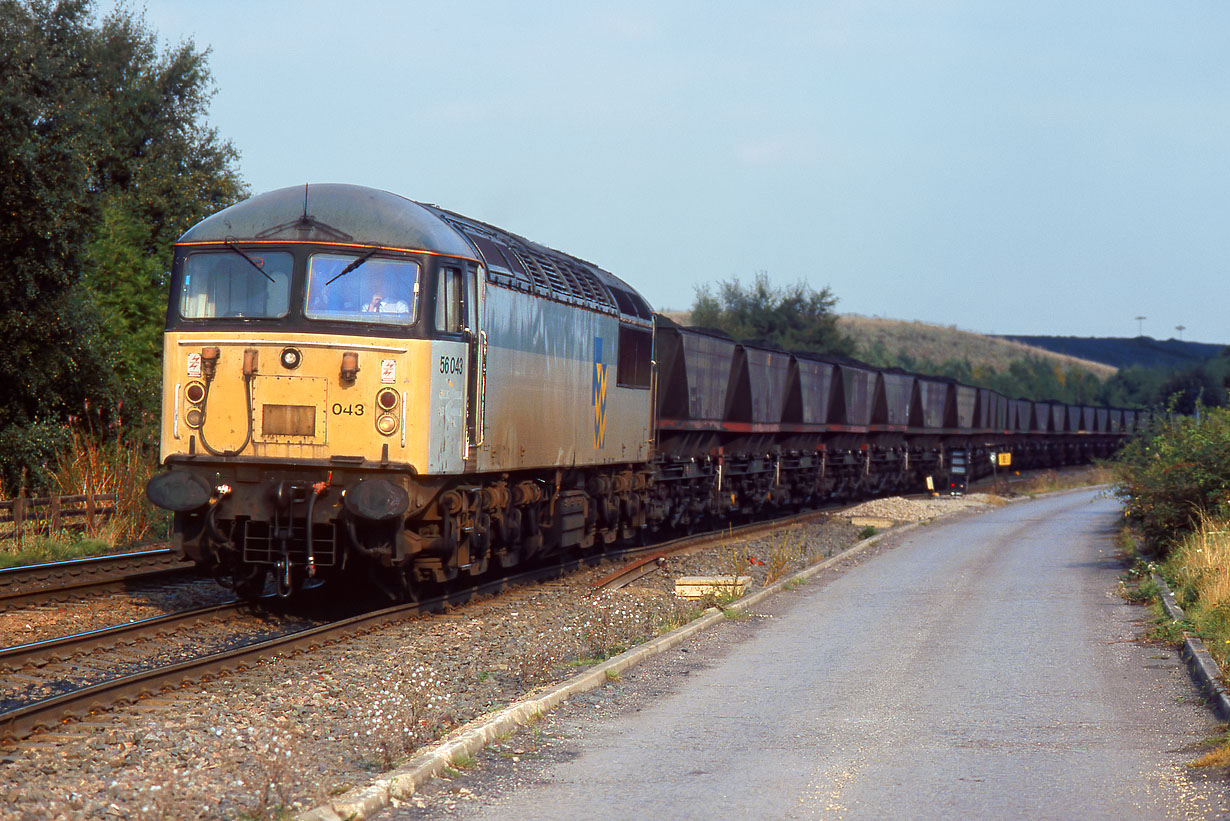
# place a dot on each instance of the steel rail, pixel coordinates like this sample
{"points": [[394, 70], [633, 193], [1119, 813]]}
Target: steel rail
{"points": [[62, 647], [660, 553], [24, 721], [54, 581]]}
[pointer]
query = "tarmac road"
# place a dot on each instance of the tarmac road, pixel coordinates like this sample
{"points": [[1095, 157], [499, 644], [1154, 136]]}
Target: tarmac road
{"points": [[983, 667]]}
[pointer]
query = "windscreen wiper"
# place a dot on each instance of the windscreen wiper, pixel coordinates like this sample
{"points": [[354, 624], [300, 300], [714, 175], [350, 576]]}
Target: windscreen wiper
{"points": [[251, 261], [352, 266]]}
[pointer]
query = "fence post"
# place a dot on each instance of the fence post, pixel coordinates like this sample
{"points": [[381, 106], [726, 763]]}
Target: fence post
{"points": [[19, 510], [55, 515], [89, 512]]}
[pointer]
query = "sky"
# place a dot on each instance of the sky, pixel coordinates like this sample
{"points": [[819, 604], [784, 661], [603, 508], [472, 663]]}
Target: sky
{"points": [[1033, 168]]}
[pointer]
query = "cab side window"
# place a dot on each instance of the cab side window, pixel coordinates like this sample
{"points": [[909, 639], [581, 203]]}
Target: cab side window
{"points": [[450, 317]]}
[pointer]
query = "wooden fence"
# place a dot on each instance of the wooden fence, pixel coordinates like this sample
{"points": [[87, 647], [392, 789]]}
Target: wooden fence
{"points": [[53, 515]]}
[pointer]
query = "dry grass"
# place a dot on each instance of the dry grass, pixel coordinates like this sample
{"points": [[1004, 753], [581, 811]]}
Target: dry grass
{"points": [[783, 555], [1198, 569], [101, 466], [113, 466], [936, 343], [1050, 480], [1217, 758], [1201, 565]]}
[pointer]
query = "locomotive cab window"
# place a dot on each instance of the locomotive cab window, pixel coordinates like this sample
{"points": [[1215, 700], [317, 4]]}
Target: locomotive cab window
{"points": [[450, 313], [235, 284], [635, 354], [354, 288]]}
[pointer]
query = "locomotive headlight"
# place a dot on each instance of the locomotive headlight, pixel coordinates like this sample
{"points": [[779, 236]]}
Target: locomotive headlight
{"points": [[386, 424], [193, 417], [291, 357], [350, 367], [194, 393]]}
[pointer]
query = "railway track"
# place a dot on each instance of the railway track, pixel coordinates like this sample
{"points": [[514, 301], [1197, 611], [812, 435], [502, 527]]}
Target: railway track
{"points": [[56, 681], [61, 581], [49, 682], [23, 717]]}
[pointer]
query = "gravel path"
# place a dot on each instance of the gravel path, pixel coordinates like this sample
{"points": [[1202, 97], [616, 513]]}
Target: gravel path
{"points": [[293, 731]]}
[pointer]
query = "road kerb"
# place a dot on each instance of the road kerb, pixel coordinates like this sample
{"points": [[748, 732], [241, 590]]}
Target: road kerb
{"points": [[1204, 670]]}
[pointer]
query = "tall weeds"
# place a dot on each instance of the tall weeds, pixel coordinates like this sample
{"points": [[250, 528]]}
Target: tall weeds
{"points": [[92, 464], [1199, 566], [99, 460]]}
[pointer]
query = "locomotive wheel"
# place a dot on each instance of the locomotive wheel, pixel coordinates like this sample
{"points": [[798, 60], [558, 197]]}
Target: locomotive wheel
{"points": [[411, 586], [252, 586]]}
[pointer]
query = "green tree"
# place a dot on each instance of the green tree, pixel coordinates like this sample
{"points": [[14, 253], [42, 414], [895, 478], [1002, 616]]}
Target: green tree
{"points": [[796, 317], [103, 162]]}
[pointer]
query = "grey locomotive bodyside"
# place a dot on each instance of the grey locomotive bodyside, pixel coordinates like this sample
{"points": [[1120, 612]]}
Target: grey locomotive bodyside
{"points": [[552, 397]]}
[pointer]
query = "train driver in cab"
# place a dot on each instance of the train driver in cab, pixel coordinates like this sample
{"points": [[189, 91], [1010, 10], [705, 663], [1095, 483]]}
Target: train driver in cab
{"points": [[386, 297]]}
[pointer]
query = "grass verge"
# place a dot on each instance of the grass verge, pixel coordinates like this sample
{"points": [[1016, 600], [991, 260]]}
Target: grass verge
{"points": [[1197, 570]]}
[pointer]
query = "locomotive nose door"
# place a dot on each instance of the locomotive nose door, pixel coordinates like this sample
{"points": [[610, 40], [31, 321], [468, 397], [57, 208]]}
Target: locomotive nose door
{"points": [[448, 442], [478, 347]]}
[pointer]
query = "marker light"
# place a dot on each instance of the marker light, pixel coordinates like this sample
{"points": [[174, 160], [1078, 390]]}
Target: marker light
{"points": [[387, 399]]}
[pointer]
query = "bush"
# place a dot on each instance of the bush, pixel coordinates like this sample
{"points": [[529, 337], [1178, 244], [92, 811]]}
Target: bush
{"points": [[27, 452], [1174, 474]]}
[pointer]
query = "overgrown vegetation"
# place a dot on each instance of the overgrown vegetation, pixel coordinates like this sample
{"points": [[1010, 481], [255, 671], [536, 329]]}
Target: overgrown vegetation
{"points": [[99, 461], [1175, 475], [1197, 569], [1174, 481], [105, 159]]}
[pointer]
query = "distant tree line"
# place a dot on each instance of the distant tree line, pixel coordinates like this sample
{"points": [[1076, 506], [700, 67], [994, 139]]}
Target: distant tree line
{"points": [[104, 160], [1205, 384]]}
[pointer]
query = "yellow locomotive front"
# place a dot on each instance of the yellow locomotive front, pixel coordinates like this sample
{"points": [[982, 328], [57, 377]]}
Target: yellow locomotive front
{"points": [[317, 370]]}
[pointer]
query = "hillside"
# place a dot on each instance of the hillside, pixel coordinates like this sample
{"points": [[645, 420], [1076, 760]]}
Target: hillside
{"points": [[876, 337], [883, 341], [1143, 351]]}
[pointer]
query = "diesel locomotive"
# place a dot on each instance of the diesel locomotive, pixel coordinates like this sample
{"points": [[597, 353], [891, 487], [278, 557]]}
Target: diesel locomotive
{"points": [[358, 387]]}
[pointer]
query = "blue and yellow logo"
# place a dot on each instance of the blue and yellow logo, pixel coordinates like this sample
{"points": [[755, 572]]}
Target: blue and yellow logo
{"points": [[598, 395]]}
